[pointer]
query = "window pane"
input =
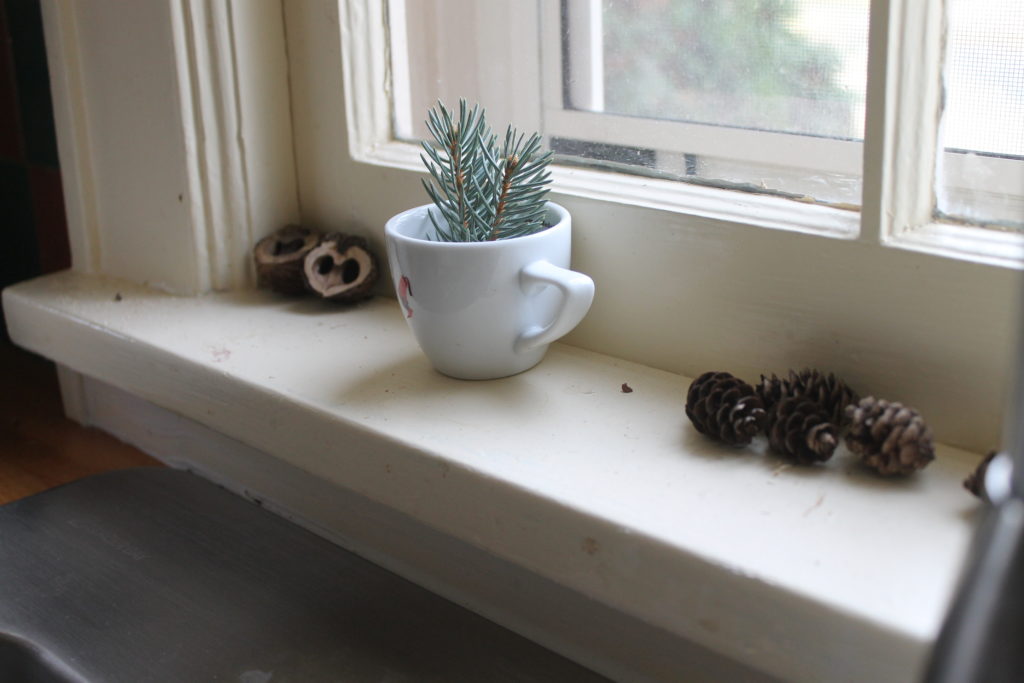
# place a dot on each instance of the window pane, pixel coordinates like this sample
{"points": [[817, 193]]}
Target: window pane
{"points": [[796, 67], [719, 76], [981, 170]]}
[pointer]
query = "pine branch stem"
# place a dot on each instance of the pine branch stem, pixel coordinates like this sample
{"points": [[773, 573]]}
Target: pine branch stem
{"points": [[511, 163]]}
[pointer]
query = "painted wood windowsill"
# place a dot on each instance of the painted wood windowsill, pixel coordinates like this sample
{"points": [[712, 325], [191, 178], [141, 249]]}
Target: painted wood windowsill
{"points": [[612, 494]]}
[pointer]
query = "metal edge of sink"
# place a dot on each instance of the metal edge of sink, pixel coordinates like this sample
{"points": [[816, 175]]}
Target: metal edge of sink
{"points": [[23, 662], [155, 574]]}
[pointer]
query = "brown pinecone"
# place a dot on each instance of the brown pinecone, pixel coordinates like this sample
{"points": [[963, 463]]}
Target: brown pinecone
{"points": [[889, 437], [801, 430], [975, 481], [725, 407], [828, 391]]}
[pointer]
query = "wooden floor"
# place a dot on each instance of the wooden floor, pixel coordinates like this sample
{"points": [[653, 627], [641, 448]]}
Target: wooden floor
{"points": [[39, 447]]}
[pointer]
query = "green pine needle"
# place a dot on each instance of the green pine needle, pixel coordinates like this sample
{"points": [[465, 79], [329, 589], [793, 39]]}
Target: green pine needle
{"points": [[483, 191]]}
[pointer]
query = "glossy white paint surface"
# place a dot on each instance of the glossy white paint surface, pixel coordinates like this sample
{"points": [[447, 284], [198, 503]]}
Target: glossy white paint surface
{"points": [[809, 574], [484, 310]]}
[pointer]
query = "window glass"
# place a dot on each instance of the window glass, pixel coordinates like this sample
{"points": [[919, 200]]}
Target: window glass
{"points": [[981, 168], [776, 65]]}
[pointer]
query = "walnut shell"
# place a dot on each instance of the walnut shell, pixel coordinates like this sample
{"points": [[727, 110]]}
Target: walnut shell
{"points": [[279, 258], [341, 268]]}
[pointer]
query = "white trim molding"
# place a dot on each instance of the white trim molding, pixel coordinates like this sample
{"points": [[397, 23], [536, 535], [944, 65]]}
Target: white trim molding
{"points": [[176, 160], [74, 148]]}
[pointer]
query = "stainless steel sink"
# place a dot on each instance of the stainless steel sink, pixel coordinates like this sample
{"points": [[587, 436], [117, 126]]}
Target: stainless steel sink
{"points": [[21, 662], [157, 575]]}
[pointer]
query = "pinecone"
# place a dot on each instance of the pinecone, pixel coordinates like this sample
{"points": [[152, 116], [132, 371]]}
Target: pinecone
{"points": [[975, 481], [889, 437], [801, 430], [725, 407], [828, 391]]}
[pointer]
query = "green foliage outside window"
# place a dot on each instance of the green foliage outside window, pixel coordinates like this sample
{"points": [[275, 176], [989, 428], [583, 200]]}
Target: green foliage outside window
{"points": [[731, 62]]}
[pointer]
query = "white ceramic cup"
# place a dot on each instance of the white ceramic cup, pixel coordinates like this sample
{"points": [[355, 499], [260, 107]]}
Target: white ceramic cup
{"points": [[482, 310]]}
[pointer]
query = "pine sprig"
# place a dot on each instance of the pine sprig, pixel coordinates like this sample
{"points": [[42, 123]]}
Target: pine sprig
{"points": [[456, 171], [483, 191]]}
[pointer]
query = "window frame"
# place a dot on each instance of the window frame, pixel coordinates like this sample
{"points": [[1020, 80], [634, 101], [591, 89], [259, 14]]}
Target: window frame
{"points": [[585, 121], [373, 138], [895, 114], [905, 61], [727, 145]]}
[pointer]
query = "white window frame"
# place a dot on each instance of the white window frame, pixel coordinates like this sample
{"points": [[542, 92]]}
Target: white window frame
{"points": [[1004, 177], [728, 143], [511, 96], [585, 122], [902, 141]]}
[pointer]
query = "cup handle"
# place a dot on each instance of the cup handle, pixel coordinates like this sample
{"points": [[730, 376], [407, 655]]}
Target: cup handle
{"points": [[577, 295]]}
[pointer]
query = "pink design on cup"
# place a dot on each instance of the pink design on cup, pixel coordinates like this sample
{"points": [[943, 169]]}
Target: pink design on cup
{"points": [[404, 292]]}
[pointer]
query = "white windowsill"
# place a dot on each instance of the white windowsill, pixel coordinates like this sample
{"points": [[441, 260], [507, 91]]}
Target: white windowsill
{"points": [[803, 573]]}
